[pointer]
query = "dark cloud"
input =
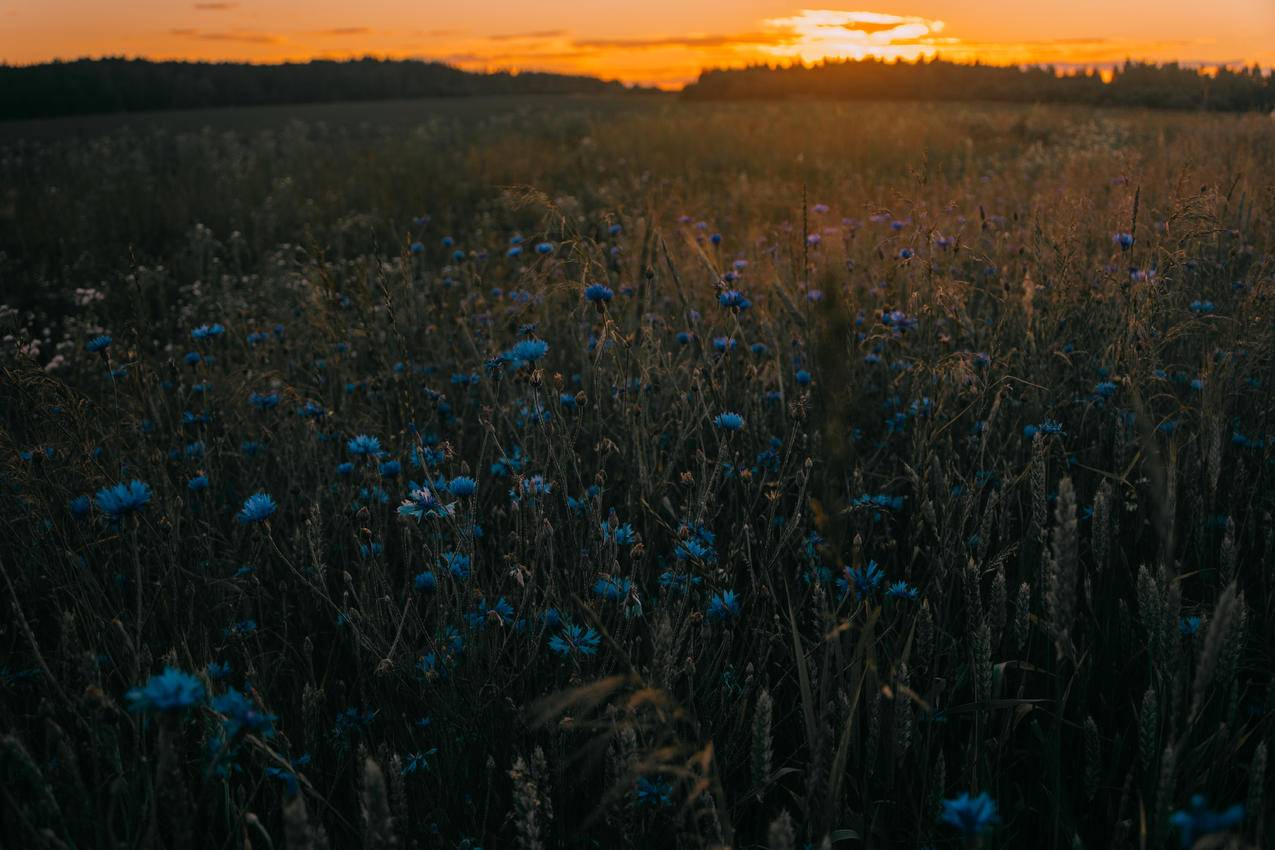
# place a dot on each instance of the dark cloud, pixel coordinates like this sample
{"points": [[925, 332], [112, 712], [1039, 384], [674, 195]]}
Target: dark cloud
{"points": [[740, 39], [241, 37], [527, 36], [865, 26]]}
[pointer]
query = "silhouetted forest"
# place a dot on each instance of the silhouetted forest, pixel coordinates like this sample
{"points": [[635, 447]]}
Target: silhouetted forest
{"points": [[128, 85], [1170, 86], [88, 86]]}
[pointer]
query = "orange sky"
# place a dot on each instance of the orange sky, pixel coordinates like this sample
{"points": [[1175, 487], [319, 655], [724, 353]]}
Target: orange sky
{"points": [[661, 42]]}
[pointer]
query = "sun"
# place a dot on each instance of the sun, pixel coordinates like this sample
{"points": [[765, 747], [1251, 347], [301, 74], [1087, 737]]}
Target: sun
{"points": [[818, 34]]}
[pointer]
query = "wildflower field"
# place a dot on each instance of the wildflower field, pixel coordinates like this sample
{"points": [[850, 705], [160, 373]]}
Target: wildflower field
{"points": [[590, 474]]}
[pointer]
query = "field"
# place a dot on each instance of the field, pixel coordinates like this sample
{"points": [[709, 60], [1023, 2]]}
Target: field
{"points": [[597, 473]]}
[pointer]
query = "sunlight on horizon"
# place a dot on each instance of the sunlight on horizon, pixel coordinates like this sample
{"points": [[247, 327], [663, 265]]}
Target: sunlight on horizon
{"points": [[663, 43]]}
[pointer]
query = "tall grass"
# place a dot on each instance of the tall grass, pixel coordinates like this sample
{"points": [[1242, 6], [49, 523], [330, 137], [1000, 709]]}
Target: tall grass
{"points": [[995, 520]]}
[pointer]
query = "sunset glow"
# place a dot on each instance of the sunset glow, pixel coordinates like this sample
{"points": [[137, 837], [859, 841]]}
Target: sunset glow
{"points": [[660, 43]]}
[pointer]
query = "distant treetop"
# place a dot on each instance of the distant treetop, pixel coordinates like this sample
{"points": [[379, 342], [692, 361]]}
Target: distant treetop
{"points": [[1170, 86], [88, 86]]}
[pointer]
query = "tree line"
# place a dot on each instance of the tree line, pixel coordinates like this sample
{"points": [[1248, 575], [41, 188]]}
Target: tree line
{"points": [[1166, 86], [88, 86]]}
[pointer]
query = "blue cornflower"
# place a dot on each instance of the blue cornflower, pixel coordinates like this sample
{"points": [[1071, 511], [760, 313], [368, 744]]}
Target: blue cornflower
{"points": [[723, 344], [258, 507], [242, 714], [344, 468], [425, 581], [1124, 240], [1049, 426], [729, 421], [264, 401], [803, 377], [461, 486], [498, 614], [1189, 626], [723, 606], [734, 299], [391, 469], [208, 331], [1106, 389], [902, 590], [527, 351], [417, 762], [676, 582], [171, 690], [507, 463], [655, 793], [535, 485], [865, 580], [575, 639], [598, 293], [421, 503], [1196, 821], [98, 344], [621, 534], [79, 506], [612, 588], [363, 445], [457, 564], [693, 549], [218, 670], [544, 248], [971, 815], [905, 254], [123, 498], [197, 484]]}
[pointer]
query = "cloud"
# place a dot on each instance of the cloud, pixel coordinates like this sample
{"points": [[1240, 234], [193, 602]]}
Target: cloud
{"points": [[535, 35], [240, 37], [215, 7], [808, 36], [815, 34], [339, 31], [689, 41]]}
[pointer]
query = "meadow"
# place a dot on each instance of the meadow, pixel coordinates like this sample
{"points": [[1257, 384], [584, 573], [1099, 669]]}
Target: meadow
{"points": [[593, 473]]}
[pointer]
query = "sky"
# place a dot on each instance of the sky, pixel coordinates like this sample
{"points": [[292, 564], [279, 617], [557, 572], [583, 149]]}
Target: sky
{"points": [[651, 42]]}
